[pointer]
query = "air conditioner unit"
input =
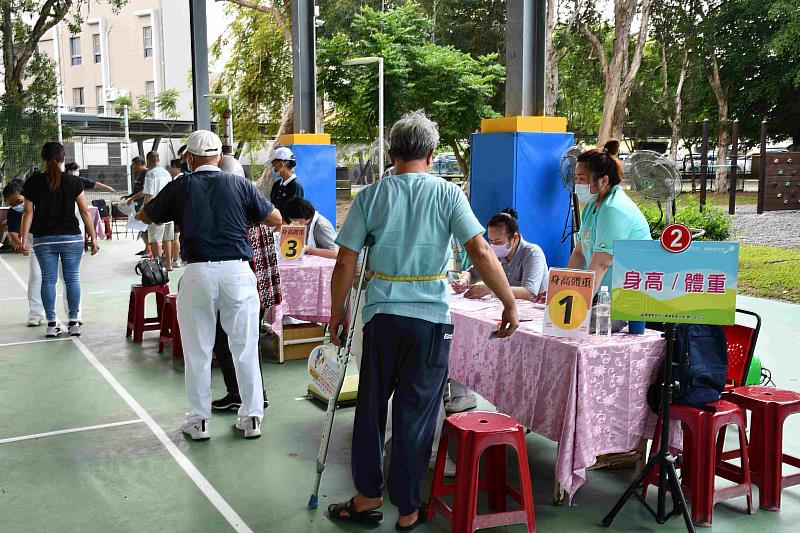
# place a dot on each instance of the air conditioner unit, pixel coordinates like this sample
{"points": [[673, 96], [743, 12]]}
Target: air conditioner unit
{"points": [[113, 93]]}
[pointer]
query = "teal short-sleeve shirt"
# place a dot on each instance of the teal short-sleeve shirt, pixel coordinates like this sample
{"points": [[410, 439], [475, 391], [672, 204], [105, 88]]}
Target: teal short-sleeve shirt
{"points": [[617, 219], [412, 218]]}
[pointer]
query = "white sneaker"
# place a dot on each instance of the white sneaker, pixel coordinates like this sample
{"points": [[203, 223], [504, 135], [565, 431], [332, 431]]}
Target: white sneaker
{"points": [[34, 322], [53, 331], [196, 429], [75, 330], [459, 404], [251, 426]]}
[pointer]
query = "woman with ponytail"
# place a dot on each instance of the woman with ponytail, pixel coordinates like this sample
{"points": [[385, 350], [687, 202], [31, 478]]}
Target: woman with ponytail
{"points": [[608, 213], [49, 215]]}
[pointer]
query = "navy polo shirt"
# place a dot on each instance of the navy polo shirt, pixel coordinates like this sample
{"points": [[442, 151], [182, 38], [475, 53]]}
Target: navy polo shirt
{"points": [[283, 192], [213, 210]]}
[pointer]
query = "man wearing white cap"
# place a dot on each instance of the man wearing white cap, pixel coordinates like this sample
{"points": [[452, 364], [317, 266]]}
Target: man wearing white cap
{"points": [[286, 186], [213, 209]]}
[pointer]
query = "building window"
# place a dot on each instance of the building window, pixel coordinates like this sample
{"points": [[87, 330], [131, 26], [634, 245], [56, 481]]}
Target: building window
{"points": [[75, 50], [101, 100], [77, 100], [96, 48], [150, 92], [147, 33]]}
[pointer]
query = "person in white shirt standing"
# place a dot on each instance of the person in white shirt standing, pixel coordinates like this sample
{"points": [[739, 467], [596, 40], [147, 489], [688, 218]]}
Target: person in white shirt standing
{"points": [[156, 179]]}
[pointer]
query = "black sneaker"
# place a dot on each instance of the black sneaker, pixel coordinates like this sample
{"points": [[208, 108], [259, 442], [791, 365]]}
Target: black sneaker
{"points": [[266, 402], [143, 252], [231, 401]]}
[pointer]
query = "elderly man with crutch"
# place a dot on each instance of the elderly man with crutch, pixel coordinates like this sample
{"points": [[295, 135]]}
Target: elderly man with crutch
{"points": [[411, 217]]}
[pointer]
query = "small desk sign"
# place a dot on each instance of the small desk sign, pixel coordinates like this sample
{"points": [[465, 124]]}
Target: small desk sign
{"points": [[569, 303], [293, 239]]}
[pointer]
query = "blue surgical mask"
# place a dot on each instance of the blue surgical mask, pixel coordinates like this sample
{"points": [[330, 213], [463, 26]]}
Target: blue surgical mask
{"points": [[276, 175], [584, 194], [19, 208]]}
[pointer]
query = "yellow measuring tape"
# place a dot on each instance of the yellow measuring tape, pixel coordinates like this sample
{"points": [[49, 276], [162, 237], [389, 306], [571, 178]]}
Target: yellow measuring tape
{"points": [[410, 278]]}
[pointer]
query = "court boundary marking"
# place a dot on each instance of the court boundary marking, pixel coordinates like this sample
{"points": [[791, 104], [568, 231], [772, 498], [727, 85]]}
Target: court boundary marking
{"points": [[21, 343], [208, 490], [68, 431]]}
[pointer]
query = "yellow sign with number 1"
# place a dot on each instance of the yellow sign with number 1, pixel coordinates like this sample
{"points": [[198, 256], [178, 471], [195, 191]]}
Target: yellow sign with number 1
{"points": [[569, 303], [293, 240]]}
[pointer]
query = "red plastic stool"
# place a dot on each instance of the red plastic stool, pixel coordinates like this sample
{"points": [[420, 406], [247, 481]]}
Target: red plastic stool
{"points": [[770, 408], [170, 330], [701, 462], [137, 322], [475, 433]]}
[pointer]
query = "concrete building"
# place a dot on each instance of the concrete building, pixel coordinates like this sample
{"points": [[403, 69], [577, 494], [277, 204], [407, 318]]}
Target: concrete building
{"points": [[141, 50]]}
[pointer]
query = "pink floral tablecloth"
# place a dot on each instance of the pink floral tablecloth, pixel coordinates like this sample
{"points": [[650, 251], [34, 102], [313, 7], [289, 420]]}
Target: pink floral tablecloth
{"points": [[306, 289], [589, 396]]}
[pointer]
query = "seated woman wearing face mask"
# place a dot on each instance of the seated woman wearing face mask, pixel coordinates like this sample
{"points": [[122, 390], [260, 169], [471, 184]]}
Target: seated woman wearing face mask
{"points": [[523, 262], [320, 233], [526, 269], [608, 214]]}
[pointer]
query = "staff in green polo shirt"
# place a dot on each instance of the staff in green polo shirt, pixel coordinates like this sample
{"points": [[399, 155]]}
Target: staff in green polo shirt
{"points": [[608, 214]]}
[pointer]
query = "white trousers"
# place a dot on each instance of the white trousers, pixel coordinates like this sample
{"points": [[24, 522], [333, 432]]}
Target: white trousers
{"points": [[35, 306], [227, 288]]}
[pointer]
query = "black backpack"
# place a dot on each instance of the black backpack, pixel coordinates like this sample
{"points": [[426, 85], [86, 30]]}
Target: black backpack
{"points": [[153, 272], [700, 366]]}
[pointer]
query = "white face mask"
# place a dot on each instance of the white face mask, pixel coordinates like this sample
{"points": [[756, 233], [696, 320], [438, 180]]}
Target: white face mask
{"points": [[584, 194]]}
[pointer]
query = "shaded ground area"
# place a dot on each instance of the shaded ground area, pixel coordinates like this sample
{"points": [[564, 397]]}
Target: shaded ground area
{"points": [[122, 478]]}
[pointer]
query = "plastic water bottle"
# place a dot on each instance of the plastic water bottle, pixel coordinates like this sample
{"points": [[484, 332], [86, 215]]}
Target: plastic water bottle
{"points": [[603, 312]]}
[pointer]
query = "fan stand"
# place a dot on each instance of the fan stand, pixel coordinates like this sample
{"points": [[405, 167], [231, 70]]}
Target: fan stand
{"points": [[663, 460]]}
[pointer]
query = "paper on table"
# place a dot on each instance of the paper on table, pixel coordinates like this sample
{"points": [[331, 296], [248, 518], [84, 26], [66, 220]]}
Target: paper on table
{"points": [[460, 303]]}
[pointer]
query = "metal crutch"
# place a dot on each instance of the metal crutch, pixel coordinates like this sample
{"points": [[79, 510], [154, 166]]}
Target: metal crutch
{"points": [[343, 355]]}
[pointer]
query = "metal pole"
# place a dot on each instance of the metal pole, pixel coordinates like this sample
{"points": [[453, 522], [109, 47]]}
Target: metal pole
{"points": [[381, 163], [304, 83], [762, 167], [230, 120], [198, 30], [734, 167], [128, 151], [703, 165], [58, 120]]}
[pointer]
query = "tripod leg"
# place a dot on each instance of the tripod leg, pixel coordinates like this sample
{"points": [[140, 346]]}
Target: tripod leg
{"points": [[633, 487], [678, 497]]}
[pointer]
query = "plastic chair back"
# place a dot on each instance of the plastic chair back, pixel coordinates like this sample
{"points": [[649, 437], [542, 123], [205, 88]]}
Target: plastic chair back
{"points": [[741, 346]]}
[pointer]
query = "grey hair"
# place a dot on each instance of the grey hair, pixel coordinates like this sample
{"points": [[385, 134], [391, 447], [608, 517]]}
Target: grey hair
{"points": [[414, 136]]}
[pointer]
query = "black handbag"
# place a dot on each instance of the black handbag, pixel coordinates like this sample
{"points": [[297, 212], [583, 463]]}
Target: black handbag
{"points": [[153, 272]]}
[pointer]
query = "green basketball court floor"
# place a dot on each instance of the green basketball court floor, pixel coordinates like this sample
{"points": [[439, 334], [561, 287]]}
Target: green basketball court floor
{"points": [[89, 437]]}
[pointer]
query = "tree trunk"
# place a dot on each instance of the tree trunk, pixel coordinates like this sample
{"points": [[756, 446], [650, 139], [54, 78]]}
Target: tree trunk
{"points": [[721, 178], [551, 68], [462, 162], [619, 72], [265, 181]]}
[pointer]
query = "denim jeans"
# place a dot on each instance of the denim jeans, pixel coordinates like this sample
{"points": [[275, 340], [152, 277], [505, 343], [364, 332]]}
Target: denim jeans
{"points": [[69, 248]]}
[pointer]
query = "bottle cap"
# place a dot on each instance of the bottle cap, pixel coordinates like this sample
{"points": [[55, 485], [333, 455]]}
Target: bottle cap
{"points": [[604, 288]]}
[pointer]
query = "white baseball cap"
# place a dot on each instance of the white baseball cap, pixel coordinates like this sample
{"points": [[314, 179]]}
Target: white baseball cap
{"points": [[204, 143], [282, 154]]}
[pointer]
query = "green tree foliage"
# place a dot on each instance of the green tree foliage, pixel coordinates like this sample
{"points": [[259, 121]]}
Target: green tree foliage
{"points": [[580, 88], [258, 73], [28, 119], [453, 87], [27, 108]]}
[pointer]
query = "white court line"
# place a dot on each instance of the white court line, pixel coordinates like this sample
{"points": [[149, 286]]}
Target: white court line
{"points": [[14, 274], [9, 299], [34, 342], [202, 483], [73, 430]]}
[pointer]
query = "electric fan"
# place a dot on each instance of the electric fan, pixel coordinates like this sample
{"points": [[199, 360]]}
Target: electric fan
{"points": [[374, 158], [654, 177], [569, 159]]}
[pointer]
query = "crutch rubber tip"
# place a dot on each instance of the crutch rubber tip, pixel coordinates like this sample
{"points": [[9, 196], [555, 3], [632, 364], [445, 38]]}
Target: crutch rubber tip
{"points": [[313, 502]]}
